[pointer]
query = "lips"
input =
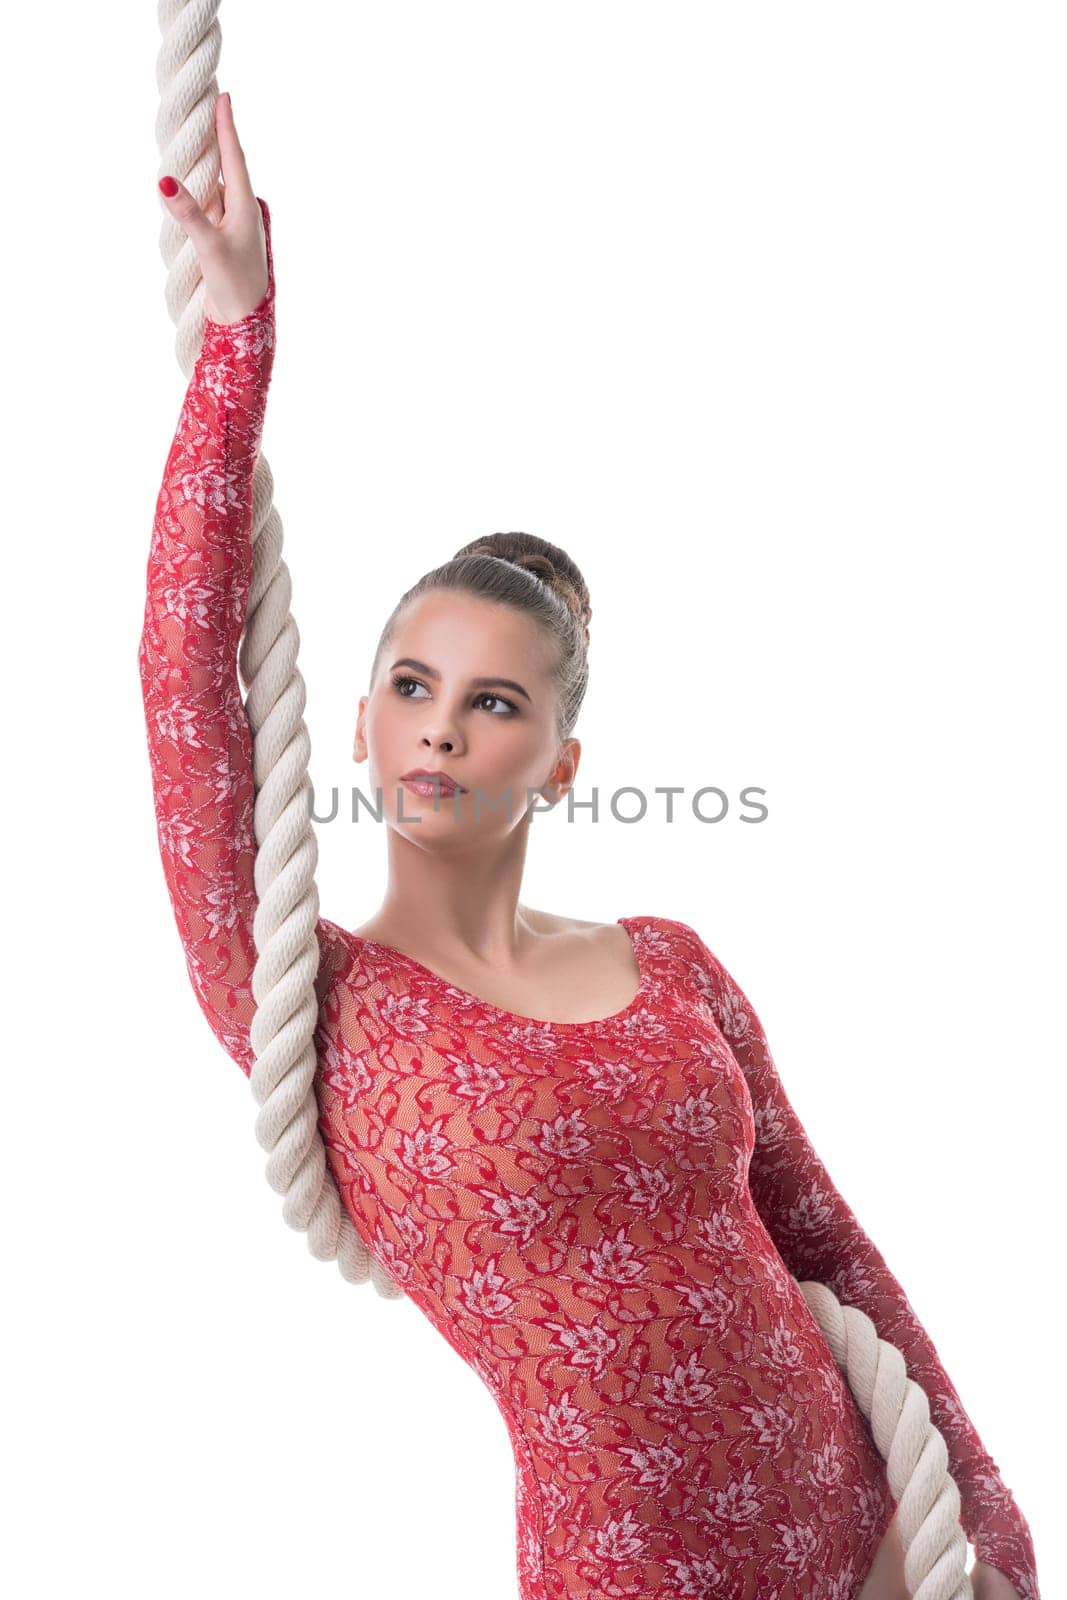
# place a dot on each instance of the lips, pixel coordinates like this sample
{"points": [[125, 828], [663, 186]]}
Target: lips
{"points": [[430, 783]]}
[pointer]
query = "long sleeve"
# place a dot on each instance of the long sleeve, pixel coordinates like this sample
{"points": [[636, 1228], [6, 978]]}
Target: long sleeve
{"points": [[199, 742], [819, 1238]]}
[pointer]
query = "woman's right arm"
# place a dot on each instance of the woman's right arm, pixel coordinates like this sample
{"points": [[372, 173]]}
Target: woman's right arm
{"points": [[199, 742], [819, 1237]]}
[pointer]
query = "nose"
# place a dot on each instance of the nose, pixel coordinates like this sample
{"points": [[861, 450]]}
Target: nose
{"points": [[441, 733], [443, 729]]}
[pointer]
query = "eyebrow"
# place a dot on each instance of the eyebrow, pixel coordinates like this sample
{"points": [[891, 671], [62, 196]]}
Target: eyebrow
{"points": [[479, 683]]}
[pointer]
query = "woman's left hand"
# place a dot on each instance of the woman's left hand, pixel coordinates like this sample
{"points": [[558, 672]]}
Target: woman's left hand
{"points": [[990, 1584]]}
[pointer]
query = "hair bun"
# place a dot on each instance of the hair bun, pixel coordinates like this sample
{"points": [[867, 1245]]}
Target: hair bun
{"points": [[546, 561]]}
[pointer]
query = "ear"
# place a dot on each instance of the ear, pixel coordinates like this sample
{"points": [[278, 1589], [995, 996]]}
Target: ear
{"points": [[562, 776], [359, 745]]}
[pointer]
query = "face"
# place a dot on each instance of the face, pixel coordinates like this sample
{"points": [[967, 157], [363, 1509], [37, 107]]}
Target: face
{"points": [[464, 688]]}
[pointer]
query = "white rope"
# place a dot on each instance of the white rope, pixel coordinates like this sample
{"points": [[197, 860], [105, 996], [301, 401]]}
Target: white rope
{"points": [[912, 1447], [914, 1450], [287, 950]]}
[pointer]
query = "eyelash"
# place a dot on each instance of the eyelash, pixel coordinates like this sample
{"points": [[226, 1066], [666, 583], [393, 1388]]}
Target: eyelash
{"points": [[400, 677]]}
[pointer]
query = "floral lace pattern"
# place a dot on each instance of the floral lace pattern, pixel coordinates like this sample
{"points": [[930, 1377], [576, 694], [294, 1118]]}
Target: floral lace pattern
{"points": [[606, 1220]]}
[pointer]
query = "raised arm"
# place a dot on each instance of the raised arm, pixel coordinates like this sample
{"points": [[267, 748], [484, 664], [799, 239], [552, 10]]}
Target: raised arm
{"points": [[199, 742], [819, 1238]]}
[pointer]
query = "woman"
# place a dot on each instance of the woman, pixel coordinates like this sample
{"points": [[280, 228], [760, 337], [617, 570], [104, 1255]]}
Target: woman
{"points": [[567, 1141]]}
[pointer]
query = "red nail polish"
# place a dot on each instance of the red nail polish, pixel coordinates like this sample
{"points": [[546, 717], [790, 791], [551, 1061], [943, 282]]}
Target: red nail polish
{"points": [[169, 187]]}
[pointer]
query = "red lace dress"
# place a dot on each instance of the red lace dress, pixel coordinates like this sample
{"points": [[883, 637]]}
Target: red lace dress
{"points": [[605, 1219]]}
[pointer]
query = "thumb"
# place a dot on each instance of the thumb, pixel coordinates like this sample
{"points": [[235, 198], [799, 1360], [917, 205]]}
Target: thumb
{"points": [[187, 213]]}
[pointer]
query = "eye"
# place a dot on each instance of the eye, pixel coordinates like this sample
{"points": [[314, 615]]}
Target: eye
{"points": [[398, 682], [512, 707]]}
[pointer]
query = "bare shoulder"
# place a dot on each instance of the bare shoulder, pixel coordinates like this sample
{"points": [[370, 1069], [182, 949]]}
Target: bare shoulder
{"points": [[595, 960], [577, 931]]}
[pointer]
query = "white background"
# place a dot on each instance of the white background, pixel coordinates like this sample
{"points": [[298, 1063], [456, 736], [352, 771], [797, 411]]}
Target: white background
{"points": [[758, 311]]}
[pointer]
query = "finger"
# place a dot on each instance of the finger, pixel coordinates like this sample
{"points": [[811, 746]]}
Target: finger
{"points": [[231, 156], [187, 213]]}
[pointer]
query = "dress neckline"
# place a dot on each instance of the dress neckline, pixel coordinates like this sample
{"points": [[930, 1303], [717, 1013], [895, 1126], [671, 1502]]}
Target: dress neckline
{"points": [[504, 1015]]}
